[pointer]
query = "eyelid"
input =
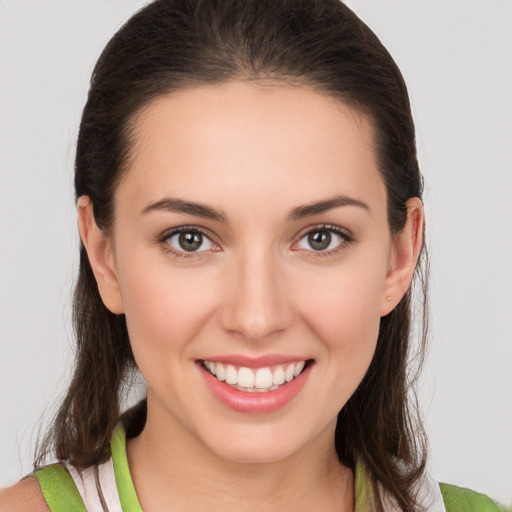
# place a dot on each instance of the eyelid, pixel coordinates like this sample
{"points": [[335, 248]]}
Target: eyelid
{"points": [[344, 233], [163, 238], [348, 238]]}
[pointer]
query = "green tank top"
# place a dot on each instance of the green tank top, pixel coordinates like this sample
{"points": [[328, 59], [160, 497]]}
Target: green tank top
{"points": [[62, 495]]}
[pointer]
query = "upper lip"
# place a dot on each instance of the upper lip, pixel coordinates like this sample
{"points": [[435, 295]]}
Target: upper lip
{"points": [[255, 362]]}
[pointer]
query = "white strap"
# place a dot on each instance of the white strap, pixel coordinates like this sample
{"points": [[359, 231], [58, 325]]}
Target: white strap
{"points": [[97, 487], [428, 496]]}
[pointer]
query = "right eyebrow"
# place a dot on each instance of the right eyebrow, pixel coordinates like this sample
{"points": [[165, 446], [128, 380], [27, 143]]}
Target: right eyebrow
{"points": [[170, 204]]}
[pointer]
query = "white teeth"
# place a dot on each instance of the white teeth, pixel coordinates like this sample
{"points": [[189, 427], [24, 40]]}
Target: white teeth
{"points": [[245, 377], [278, 376], [211, 367], [289, 373], [255, 380], [298, 368], [220, 371], [231, 374], [263, 379]]}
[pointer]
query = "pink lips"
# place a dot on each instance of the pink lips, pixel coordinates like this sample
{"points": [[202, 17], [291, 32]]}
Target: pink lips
{"points": [[254, 403]]}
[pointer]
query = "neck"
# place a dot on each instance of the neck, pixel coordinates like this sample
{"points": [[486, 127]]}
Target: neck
{"points": [[183, 471]]}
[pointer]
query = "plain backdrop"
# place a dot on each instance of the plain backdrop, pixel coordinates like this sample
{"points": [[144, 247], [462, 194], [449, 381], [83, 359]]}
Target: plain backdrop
{"points": [[456, 57]]}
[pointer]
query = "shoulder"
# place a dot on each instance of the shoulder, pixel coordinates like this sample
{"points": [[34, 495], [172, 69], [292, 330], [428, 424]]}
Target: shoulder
{"points": [[459, 499], [22, 496]]}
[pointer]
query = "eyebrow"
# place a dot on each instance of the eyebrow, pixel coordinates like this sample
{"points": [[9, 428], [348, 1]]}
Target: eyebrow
{"points": [[319, 207], [170, 204]]}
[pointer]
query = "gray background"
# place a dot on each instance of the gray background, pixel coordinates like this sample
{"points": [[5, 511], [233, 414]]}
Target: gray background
{"points": [[456, 57]]}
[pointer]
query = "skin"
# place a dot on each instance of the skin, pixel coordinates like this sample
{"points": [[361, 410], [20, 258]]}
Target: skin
{"points": [[254, 153], [22, 496]]}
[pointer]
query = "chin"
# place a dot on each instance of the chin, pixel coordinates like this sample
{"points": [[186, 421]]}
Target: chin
{"points": [[254, 445], [265, 443], [255, 454]]}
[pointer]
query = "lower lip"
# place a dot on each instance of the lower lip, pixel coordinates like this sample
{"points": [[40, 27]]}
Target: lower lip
{"points": [[257, 402]]}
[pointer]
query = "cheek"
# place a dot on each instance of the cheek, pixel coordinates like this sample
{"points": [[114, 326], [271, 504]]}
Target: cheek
{"points": [[349, 327], [344, 312], [165, 307]]}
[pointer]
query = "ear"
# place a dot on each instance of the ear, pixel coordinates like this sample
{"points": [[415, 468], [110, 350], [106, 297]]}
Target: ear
{"points": [[405, 249], [101, 256]]}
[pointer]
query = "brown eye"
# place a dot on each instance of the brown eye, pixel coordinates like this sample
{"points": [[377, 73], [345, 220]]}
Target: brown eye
{"points": [[323, 240], [319, 240], [189, 241]]}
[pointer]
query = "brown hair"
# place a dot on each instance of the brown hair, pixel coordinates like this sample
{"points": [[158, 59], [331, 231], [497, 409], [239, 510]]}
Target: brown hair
{"points": [[173, 44]]}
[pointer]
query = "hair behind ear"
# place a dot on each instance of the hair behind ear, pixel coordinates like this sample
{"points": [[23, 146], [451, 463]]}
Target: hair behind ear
{"points": [[87, 417], [380, 423]]}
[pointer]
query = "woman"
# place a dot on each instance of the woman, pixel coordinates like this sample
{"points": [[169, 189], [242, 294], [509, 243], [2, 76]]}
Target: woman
{"points": [[250, 209]]}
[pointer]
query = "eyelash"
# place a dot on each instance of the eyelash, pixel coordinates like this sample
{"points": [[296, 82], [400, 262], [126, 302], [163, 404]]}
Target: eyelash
{"points": [[344, 234], [346, 239], [164, 241]]}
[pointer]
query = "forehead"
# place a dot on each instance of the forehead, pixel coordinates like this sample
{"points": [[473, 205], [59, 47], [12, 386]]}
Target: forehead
{"points": [[250, 139]]}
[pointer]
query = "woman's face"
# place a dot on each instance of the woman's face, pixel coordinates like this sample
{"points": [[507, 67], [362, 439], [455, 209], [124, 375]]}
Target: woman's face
{"points": [[251, 241]]}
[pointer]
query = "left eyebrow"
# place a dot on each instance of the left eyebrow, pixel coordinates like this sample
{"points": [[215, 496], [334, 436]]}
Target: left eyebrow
{"points": [[319, 207]]}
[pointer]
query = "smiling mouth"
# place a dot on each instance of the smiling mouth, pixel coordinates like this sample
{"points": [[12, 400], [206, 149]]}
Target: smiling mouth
{"points": [[256, 380]]}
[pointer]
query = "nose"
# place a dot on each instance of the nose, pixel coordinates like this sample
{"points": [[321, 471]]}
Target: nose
{"points": [[257, 306]]}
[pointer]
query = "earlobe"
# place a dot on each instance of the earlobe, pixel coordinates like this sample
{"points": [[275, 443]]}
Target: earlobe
{"points": [[406, 247], [101, 256]]}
